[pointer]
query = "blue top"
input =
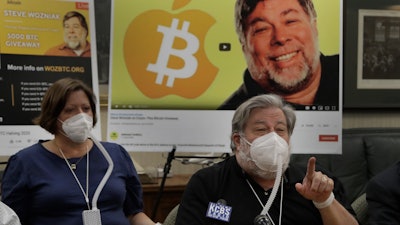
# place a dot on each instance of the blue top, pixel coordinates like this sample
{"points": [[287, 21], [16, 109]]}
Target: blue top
{"points": [[39, 186]]}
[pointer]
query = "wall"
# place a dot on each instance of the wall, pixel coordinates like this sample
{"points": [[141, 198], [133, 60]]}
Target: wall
{"points": [[371, 118]]}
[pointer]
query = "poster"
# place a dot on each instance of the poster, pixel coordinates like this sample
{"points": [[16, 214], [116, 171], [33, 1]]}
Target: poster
{"points": [[378, 38], [28, 30], [174, 62]]}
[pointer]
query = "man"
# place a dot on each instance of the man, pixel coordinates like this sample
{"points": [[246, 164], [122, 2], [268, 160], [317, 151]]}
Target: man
{"points": [[258, 177], [75, 34], [383, 197], [8, 216], [279, 40]]}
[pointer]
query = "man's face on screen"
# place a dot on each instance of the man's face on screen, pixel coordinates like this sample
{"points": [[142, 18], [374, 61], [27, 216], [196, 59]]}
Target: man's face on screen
{"points": [[281, 45]]}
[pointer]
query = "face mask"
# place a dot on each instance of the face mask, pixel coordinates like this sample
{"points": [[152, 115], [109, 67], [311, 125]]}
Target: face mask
{"points": [[78, 127], [265, 151]]}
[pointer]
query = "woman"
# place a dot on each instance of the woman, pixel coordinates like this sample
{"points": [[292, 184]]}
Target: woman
{"points": [[54, 181]]}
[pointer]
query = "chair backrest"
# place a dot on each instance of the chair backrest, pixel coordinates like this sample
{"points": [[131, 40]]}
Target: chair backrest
{"points": [[360, 206], [171, 217]]}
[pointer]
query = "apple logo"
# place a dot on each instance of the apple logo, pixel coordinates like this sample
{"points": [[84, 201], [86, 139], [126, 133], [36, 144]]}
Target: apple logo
{"points": [[164, 53]]}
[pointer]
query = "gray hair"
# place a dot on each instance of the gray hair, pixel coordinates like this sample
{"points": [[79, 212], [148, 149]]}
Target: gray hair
{"points": [[80, 17], [264, 101], [243, 8]]}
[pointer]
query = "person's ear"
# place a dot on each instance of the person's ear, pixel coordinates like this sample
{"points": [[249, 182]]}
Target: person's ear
{"points": [[315, 27], [236, 139], [244, 49]]}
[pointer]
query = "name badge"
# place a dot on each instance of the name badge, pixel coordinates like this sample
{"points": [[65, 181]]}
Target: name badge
{"points": [[219, 211]]}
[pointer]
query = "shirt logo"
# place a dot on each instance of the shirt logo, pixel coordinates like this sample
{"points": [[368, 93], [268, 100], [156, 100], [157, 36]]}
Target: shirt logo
{"points": [[219, 211]]}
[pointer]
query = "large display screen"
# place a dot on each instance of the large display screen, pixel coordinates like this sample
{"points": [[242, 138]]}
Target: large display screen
{"points": [[174, 63]]}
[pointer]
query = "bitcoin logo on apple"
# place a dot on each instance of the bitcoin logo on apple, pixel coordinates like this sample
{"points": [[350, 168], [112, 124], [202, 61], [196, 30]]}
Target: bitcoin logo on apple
{"points": [[164, 53]]}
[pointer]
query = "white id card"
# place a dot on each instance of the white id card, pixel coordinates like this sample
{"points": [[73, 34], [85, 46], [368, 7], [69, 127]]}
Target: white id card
{"points": [[91, 217]]}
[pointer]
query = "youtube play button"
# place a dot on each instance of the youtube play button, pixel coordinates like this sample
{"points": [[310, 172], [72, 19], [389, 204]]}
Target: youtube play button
{"points": [[224, 46]]}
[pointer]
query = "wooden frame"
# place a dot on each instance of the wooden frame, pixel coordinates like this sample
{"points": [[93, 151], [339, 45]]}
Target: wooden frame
{"points": [[371, 54]]}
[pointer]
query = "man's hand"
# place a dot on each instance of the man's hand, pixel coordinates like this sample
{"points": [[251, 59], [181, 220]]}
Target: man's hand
{"points": [[316, 186]]}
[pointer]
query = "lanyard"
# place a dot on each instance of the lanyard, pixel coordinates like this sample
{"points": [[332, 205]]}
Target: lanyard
{"points": [[259, 200], [85, 193], [271, 198]]}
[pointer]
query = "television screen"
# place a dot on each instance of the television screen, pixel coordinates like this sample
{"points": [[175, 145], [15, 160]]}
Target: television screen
{"points": [[178, 71]]}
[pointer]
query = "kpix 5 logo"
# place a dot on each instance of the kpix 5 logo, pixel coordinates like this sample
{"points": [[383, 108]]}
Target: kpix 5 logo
{"points": [[164, 52]]}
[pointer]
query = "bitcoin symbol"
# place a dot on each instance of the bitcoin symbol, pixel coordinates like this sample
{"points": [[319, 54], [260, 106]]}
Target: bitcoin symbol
{"points": [[161, 67]]}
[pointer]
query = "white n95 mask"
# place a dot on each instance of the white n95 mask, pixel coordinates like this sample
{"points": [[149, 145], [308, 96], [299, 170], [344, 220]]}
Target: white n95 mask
{"points": [[78, 127], [265, 151]]}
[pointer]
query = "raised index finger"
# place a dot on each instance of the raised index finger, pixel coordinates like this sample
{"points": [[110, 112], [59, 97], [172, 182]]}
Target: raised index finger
{"points": [[311, 167]]}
